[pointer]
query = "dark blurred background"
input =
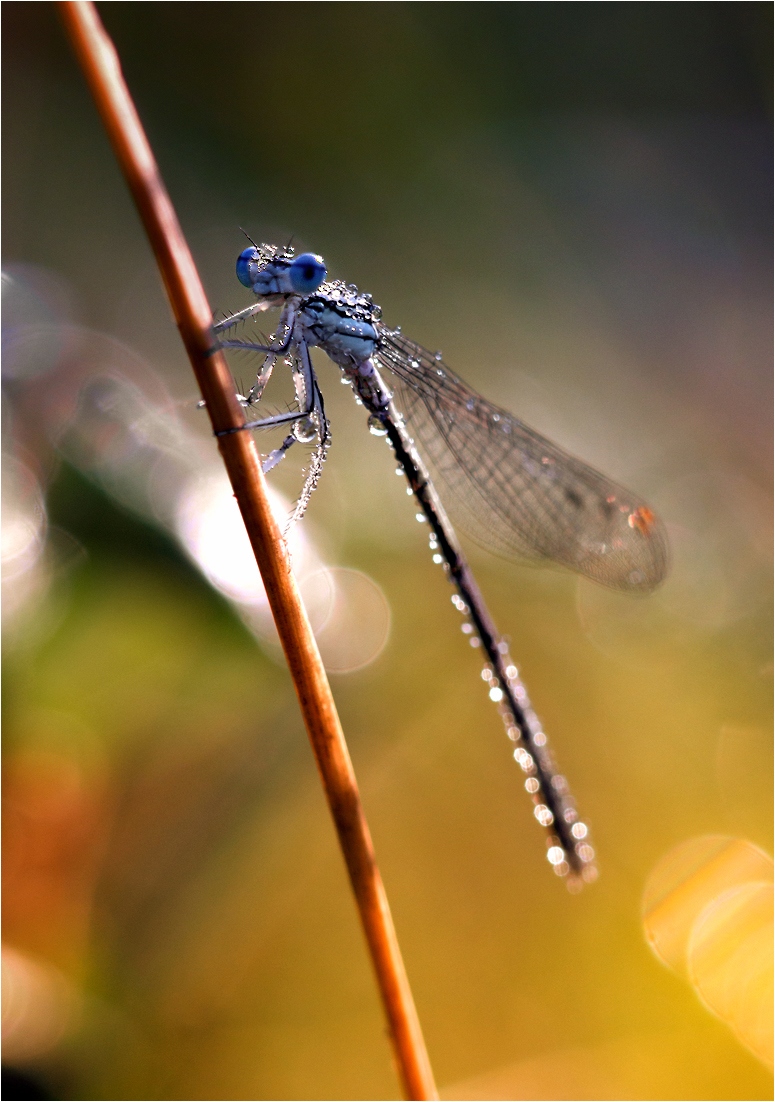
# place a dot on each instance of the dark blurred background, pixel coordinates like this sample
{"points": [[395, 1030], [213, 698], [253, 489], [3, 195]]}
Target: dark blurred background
{"points": [[574, 202]]}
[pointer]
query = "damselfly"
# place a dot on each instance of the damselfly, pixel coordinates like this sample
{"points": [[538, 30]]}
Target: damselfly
{"points": [[514, 490]]}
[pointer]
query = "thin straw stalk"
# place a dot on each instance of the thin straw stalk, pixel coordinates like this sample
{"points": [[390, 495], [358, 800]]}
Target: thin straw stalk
{"points": [[99, 61]]}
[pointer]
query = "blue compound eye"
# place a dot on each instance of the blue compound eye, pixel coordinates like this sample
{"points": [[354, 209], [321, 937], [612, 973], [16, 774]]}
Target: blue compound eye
{"points": [[306, 273], [246, 266]]}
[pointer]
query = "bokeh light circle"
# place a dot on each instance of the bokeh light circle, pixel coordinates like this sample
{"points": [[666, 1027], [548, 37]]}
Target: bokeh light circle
{"points": [[689, 878], [39, 1007], [210, 527], [730, 962], [356, 628]]}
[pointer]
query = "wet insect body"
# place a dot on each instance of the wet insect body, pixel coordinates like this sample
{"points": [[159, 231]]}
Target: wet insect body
{"points": [[512, 489]]}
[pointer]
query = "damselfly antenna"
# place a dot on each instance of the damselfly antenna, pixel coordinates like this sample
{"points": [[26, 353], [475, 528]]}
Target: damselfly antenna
{"points": [[250, 239]]}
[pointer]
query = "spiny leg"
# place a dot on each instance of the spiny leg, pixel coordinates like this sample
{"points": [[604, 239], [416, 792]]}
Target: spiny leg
{"points": [[278, 454], [308, 421], [267, 422], [285, 325], [253, 346], [262, 378], [318, 456], [306, 390], [240, 316]]}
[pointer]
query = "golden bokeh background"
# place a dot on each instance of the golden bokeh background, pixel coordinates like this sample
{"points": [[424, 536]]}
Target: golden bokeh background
{"points": [[574, 202]]}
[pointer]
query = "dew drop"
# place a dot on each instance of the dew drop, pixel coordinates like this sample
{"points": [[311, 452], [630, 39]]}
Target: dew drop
{"points": [[496, 694], [376, 426], [523, 759], [305, 430]]}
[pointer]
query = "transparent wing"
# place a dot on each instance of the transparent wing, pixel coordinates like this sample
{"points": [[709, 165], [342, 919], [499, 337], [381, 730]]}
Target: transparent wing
{"points": [[515, 492]]}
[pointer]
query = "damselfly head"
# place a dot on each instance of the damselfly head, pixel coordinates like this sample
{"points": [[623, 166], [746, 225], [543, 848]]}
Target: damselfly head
{"points": [[269, 271]]}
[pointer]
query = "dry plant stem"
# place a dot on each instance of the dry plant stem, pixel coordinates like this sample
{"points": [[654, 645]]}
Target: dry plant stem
{"points": [[100, 64]]}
